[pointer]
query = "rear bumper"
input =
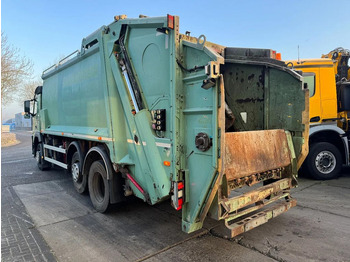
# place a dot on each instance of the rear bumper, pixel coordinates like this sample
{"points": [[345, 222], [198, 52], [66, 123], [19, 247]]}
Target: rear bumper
{"points": [[259, 218]]}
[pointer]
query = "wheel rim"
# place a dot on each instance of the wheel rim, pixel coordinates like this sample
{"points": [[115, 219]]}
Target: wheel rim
{"points": [[325, 162], [75, 171], [98, 187]]}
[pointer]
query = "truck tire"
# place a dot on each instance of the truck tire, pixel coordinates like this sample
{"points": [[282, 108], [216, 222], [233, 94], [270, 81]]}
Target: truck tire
{"points": [[324, 161], [42, 164], [79, 180], [98, 186]]}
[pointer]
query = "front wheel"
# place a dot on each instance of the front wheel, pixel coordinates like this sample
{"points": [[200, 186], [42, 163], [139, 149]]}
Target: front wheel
{"points": [[324, 161], [39, 156], [98, 186]]}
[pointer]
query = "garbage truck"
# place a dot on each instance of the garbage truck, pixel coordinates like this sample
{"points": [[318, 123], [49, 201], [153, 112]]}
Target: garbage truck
{"points": [[142, 110]]}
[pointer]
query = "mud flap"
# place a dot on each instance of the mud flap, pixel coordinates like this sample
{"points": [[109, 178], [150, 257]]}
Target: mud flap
{"points": [[116, 191]]}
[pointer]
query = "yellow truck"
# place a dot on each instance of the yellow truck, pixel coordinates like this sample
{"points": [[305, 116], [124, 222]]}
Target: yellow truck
{"points": [[328, 79]]}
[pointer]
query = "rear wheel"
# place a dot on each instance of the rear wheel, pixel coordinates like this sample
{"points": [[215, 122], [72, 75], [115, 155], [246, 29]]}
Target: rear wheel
{"points": [[98, 186], [324, 161], [79, 180]]}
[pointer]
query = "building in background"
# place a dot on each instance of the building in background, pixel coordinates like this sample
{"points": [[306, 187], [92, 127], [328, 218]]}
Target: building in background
{"points": [[23, 123]]}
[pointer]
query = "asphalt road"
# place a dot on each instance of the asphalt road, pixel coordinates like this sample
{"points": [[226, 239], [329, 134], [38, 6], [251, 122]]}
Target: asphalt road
{"points": [[44, 219]]}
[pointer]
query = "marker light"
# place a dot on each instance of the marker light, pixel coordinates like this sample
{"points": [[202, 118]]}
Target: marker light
{"points": [[273, 54], [171, 21], [160, 117], [167, 163], [278, 56]]}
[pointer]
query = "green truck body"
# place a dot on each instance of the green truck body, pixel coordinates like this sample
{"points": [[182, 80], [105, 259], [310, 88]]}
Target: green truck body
{"points": [[143, 110]]}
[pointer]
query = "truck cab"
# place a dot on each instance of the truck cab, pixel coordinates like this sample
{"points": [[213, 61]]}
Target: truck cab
{"points": [[329, 133]]}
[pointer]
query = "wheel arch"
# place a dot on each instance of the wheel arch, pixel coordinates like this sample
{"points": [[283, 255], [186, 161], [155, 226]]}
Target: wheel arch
{"points": [[333, 135], [97, 153], [72, 148], [115, 180], [37, 138]]}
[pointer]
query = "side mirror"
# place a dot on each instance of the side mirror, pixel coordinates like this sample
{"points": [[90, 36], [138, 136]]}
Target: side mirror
{"points": [[27, 106]]}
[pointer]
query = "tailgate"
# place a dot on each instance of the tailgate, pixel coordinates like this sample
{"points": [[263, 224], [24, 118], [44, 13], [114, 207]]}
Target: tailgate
{"points": [[242, 134], [260, 158], [255, 152]]}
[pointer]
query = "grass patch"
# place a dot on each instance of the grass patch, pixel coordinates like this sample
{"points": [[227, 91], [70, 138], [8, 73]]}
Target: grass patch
{"points": [[8, 139]]}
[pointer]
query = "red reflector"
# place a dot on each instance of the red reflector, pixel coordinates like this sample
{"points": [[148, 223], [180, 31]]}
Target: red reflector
{"points": [[180, 185], [171, 21], [135, 183]]}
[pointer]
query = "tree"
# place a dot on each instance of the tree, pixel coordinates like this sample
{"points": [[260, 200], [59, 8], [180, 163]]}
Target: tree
{"points": [[28, 88], [15, 68]]}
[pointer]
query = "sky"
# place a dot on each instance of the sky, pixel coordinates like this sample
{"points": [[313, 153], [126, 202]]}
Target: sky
{"points": [[46, 31]]}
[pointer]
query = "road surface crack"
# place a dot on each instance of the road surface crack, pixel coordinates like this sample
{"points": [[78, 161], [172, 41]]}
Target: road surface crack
{"points": [[320, 210], [174, 245], [239, 241]]}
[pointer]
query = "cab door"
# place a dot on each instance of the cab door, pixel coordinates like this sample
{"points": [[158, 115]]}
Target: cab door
{"points": [[328, 94]]}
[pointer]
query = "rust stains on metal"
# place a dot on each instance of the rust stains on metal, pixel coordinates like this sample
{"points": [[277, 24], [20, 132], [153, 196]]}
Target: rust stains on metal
{"points": [[234, 204], [305, 121], [217, 48], [259, 218], [258, 151], [256, 178], [249, 100]]}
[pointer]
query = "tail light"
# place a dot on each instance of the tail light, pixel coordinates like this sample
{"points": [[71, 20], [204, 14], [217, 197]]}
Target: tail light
{"points": [[177, 198]]}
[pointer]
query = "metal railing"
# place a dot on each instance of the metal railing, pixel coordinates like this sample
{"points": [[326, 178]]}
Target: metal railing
{"points": [[62, 61]]}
